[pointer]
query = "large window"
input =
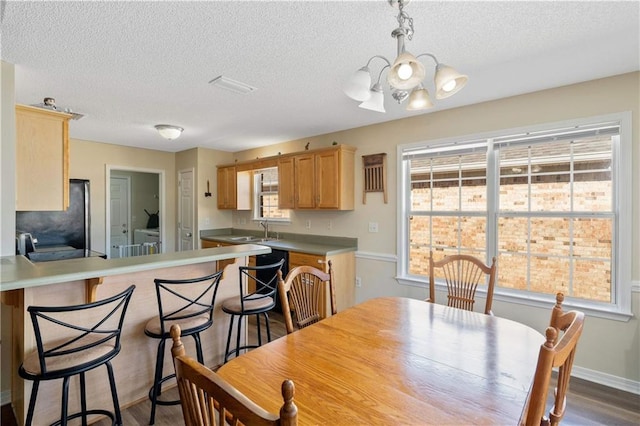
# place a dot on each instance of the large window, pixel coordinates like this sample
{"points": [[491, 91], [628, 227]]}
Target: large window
{"points": [[265, 196], [548, 203]]}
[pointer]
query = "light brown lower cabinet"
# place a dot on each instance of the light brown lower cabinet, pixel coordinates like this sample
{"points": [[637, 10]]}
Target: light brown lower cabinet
{"points": [[344, 270]]}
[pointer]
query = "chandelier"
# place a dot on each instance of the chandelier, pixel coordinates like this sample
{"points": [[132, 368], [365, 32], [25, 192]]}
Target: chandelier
{"points": [[405, 75]]}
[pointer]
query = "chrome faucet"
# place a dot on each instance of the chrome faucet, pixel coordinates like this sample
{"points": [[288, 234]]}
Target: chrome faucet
{"points": [[265, 225]]}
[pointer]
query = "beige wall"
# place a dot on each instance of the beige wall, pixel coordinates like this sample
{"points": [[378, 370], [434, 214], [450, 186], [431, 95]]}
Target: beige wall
{"points": [[609, 350], [7, 208], [89, 160]]}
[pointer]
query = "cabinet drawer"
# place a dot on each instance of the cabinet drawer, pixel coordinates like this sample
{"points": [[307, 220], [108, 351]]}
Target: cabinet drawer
{"points": [[305, 259]]}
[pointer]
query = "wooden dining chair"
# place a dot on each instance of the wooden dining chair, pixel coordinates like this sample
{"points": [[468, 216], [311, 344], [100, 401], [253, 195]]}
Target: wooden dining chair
{"points": [[558, 351], [302, 291], [207, 399], [462, 273]]}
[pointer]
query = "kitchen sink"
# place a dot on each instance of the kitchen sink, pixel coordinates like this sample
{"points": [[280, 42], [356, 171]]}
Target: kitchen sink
{"points": [[251, 239], [244, 238]]}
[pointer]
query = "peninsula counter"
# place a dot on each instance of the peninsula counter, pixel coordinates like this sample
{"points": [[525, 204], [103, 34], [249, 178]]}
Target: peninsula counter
{"points": [[77, 281]]}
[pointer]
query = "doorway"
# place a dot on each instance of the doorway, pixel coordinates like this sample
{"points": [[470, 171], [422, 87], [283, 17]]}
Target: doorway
{"points": [[135, 211]]}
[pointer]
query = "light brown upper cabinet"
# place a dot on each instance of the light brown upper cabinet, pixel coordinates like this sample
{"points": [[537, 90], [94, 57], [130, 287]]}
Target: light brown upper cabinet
{"points": [[322, 180], [227, 187], [42, 159], [286, 183]]}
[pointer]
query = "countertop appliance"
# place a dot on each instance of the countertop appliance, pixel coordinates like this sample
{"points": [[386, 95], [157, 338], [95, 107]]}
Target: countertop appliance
{"points": [[57, 235]]}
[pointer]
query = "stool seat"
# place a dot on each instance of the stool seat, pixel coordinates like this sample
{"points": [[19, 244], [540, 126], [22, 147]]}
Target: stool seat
{"points": [[235, 305], [91, 339], [64, 364], [153, 328], [187, 303]]}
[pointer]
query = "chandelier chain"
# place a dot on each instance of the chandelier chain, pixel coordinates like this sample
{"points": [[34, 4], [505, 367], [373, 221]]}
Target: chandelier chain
{"points": [[404, 17]]}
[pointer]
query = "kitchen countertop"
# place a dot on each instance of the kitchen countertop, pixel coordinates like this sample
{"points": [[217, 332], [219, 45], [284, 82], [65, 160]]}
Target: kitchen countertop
{"points": [[303, 243], [18, 272]]}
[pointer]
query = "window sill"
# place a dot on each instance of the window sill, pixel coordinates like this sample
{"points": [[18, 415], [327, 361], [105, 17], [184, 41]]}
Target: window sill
{"points": [[536, 300]]}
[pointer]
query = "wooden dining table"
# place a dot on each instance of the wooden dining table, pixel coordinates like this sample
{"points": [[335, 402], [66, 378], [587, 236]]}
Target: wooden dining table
{"points": [[395, 360]]}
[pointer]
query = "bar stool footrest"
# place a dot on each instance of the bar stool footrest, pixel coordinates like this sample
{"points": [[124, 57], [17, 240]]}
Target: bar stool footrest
{"points": [[158, 401], [89, 413]]}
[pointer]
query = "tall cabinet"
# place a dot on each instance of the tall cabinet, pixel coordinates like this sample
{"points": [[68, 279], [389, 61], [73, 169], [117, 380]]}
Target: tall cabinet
{"points": [[42, 159]]}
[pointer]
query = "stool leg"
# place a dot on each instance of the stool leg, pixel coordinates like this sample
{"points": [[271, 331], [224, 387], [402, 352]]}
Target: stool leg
{"points": [[226, 352], [65, 401], [196, 337], [114, 394], [259, 331], [32, 402], [83, 399], [238, 336], [266, 320], [156, 381]]}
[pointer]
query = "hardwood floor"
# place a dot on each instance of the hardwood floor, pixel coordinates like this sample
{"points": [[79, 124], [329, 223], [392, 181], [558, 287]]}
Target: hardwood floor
{"points": [[587, 403]]}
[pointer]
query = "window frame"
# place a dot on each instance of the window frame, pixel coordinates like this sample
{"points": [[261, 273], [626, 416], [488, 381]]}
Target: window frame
{"points": [[620, 308], [257, 193]]}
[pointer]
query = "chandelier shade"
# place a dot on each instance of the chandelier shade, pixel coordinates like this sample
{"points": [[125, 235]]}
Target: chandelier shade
{"points": [[406, 72], [168, 131], [405, 75], [448, 81], [358, 86], [376, 101], [419, 99]]}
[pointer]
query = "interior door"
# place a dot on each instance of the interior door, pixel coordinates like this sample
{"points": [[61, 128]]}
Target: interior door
{"points": [[119, 214], [186, 218]]}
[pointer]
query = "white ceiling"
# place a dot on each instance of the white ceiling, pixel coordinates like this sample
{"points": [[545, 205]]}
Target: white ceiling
{"points": [[131, 65]]}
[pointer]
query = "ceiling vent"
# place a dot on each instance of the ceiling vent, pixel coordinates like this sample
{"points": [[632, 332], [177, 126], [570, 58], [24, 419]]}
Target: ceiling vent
{"points": [[232, 85]]}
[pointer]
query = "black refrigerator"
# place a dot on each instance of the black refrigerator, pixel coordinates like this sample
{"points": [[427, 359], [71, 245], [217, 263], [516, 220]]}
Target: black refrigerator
{"points": [[61, 234]]}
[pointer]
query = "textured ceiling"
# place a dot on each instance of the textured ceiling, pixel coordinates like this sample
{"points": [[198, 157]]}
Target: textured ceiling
{"points": [[131, 65]]}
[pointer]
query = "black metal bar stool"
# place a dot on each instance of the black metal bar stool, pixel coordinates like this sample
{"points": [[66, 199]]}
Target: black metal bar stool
{"points": [[188, 303], [84, 346], [257, 302]]}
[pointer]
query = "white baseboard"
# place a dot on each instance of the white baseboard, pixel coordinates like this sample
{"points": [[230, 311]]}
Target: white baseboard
{"points": [[605, 379], [5, 397]]}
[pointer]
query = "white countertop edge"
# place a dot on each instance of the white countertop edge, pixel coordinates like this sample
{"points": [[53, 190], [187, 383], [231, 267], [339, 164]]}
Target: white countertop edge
{"points": [[18, 272]]}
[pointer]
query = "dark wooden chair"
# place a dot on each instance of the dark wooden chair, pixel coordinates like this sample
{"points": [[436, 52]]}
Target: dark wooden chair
{"points": [[302, 292], [70, 341], [558, 351], [463, 274], [207, 399]]}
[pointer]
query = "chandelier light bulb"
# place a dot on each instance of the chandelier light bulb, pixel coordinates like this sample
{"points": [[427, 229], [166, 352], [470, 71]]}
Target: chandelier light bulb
{"points": [[449, 86], [405, 71]]}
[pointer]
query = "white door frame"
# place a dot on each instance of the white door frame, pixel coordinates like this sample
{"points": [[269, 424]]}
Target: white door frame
{"points": [[194, 222], [161, 202]]}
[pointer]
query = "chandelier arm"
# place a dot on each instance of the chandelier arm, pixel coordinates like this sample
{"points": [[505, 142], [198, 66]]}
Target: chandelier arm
{"points": [[430, 55], [380, 57], [380, 74]]}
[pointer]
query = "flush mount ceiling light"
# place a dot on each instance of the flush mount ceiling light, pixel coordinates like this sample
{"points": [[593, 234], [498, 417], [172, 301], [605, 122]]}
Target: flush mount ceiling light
{"points": [[168, 131], [405, 74]]}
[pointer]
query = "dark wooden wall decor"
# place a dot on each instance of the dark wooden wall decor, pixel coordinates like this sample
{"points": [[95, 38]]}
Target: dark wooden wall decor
{"points": [[374, 168]]}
